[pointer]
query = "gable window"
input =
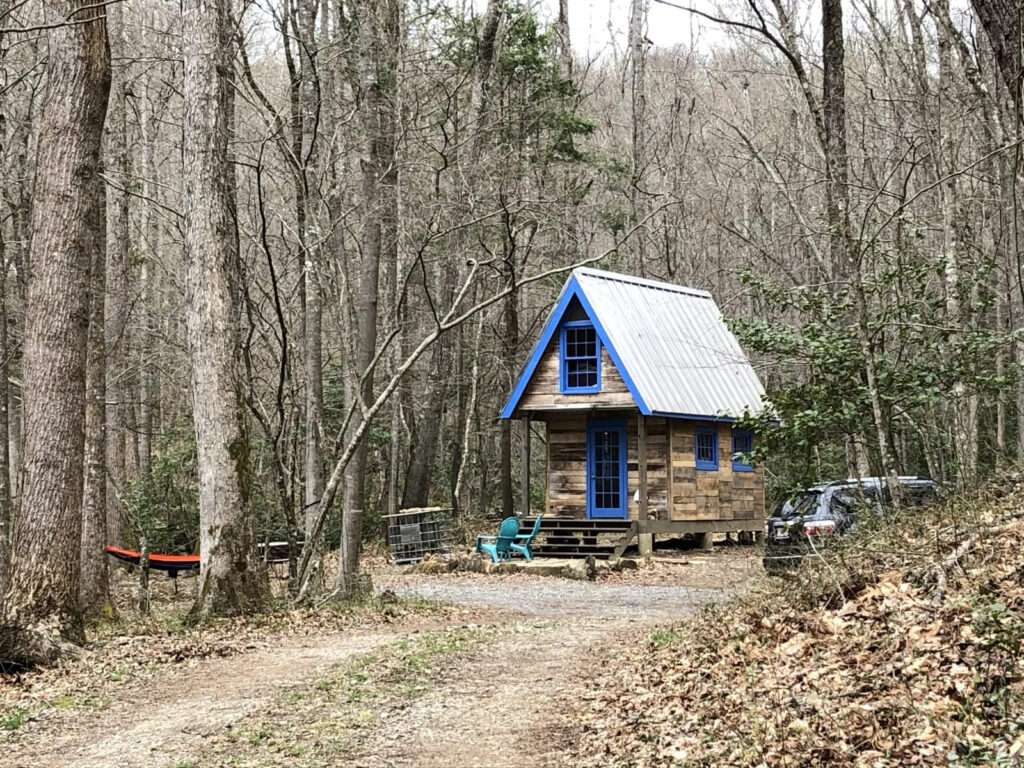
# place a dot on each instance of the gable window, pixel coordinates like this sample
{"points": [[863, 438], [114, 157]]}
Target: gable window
{"points": [[742, 447], [580, 359], [705, 448]]}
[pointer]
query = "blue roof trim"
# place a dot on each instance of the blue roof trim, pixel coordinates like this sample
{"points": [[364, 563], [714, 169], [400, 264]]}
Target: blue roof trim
{"points": [[572, 289]]}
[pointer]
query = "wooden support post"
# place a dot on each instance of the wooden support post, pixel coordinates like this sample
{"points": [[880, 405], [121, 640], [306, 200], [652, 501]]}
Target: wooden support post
{"points": [[525, 468], [645, 541], [641, 457]]}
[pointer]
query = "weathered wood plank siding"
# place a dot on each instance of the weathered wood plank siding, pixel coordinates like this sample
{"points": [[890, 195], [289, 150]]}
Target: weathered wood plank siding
{"points": [[543, 392], [691, 495], [657, 467], [704, 495], [567, 465]]}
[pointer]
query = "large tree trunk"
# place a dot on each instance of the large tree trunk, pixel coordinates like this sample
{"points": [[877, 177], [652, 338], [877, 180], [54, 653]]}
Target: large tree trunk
{"points": [[40, 608], [229, 580], [94, 591]]}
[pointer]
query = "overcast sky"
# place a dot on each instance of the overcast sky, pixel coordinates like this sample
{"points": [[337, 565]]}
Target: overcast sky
{"points": [[597, 25]]}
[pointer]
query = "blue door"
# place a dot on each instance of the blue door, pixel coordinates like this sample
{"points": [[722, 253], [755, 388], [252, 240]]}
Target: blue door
{"points": [[606, 469]]}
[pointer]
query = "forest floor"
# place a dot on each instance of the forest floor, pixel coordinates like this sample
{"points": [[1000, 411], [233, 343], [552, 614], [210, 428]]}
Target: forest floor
{"points": [[480, 680]]}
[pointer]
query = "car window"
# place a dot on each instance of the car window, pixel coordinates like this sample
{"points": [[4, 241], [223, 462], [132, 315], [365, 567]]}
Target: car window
{"points": [[802, 504], [843, 502]]}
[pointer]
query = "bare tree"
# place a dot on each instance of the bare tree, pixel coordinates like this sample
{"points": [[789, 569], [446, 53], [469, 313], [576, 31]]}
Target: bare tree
{"points": [[377, 41], [118, 281], [40, 610], [229, 581], [94, 590]]}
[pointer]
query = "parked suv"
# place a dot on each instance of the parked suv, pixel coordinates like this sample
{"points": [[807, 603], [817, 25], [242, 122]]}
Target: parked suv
{"points": [[808, 519]]}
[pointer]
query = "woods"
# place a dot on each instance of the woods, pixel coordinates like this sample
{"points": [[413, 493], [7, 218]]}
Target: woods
{"points": [[271, 269]]}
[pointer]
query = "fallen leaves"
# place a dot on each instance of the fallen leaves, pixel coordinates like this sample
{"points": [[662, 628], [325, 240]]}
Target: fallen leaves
{"points": [[856, 662]]}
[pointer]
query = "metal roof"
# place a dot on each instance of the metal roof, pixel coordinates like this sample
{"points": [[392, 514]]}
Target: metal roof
{"points": [[670, 344]]}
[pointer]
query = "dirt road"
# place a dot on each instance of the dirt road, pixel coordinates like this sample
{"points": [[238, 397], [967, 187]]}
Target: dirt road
{"points": [[456, 696]]}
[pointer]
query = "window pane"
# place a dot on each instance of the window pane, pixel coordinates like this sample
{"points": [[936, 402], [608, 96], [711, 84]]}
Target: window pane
{"points": [[580, 358], [705, 447]]}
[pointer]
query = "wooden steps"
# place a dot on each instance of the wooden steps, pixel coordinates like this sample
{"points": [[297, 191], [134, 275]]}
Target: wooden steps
{"points": [[570, 537]]}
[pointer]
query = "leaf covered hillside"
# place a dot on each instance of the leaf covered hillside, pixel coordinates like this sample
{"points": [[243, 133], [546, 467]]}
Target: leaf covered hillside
{"points": [[901, 648]]}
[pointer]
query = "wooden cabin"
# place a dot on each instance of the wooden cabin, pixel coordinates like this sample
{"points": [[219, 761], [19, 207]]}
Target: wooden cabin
{"points": [[639, 385]]}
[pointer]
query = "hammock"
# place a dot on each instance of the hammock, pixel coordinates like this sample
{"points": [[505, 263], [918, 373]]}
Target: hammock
{"points": [[172, 564]]}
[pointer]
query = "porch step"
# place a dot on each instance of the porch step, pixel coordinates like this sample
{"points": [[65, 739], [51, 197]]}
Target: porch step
{"points": [[598, 551], [549, 524], [572, 537]]}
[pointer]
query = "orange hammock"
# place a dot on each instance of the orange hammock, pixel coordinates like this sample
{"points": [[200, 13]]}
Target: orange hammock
{"points": [[170, 563]]}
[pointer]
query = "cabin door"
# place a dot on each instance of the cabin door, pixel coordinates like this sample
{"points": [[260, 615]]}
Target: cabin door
{"points": [[606, 469]]}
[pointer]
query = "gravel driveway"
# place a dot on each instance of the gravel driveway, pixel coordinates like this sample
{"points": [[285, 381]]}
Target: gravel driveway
{"points": [[542, 596]]}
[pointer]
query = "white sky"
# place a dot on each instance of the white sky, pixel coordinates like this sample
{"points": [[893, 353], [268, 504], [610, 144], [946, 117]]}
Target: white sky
{"points": [[595, 25]]}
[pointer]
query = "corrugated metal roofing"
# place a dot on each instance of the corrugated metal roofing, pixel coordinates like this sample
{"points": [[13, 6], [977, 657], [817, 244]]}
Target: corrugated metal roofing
{"points": [[669, 343], [673, 345]]}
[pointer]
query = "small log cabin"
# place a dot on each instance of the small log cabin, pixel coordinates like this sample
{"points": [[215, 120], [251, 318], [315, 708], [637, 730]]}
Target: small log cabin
{"points": [[639, 385]]}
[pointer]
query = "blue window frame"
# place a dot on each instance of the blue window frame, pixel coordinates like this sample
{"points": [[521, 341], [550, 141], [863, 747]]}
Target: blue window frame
{"points": [[580, 362], [742, 447], [705, 449]]}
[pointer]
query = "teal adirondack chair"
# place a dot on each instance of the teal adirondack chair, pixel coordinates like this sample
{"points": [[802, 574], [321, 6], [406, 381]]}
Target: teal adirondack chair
{"points": [[522, 541], [499, 547]]}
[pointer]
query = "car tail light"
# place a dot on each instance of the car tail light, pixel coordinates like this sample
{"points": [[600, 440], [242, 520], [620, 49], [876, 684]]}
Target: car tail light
{"points": [[819, 527]]}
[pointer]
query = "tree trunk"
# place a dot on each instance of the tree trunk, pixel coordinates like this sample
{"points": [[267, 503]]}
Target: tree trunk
{"points": [[965, 435], [310, 237], [424, 451], [509, 344], [6, 518], [94, 591], [638, 99], [118, 279], [1001, 20], [40, 608], [149, 286], [564, 41], [845, 264], [5, 465], [379, 34], [229, 580]]}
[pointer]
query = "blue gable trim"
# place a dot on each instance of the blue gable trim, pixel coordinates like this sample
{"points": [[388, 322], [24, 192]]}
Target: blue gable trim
{"points": [[572, 290]]}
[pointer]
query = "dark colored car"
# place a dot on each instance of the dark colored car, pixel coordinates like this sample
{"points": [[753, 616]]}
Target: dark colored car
{"points": [[807, 520]]}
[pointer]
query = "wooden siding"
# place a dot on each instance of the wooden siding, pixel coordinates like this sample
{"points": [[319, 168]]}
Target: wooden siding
{"points": [[657, 468], [691, 495], [567, 465], [703, 495], [543, 392]]}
